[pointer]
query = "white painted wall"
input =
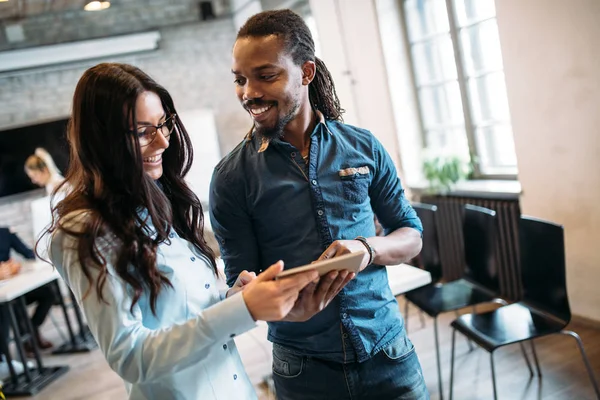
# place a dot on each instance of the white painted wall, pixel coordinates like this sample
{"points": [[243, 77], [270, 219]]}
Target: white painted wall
{"points": [[200, 124], [552, 62], [403, 98], [352, 50]]}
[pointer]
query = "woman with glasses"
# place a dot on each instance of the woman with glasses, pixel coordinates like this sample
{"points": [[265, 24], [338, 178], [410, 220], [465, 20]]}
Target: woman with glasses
{"points": [[128, 240]]}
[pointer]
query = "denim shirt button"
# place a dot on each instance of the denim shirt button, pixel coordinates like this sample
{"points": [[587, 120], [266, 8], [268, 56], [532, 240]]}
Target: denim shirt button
{"points": [[314, 182], [345, 335], [320, 212], [293, 155], [344, 315]]}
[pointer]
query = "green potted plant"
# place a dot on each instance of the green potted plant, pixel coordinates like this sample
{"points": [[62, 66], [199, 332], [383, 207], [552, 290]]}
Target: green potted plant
{"points": [[442, 172]]}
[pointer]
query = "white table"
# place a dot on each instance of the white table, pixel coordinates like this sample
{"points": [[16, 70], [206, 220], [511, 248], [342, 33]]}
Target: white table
{"points": [[256, 350], [33, 275], [404, 278]]}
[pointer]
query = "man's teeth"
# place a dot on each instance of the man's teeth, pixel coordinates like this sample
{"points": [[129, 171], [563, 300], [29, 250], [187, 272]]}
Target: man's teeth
{"points": [[152, 159], [258, 111]]}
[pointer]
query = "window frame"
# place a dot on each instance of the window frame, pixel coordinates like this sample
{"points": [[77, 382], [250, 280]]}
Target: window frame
{"points": [[462, 79]]}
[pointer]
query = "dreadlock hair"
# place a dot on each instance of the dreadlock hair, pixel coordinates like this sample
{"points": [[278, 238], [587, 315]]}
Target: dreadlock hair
{"points": [[299, 44]]}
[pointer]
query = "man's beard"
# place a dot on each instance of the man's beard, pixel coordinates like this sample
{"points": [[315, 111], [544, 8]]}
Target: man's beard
{"points": [[276, 131]]}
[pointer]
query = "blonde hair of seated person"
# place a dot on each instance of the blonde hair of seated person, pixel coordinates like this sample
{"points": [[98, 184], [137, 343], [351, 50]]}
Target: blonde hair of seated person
{"points": [[42, 170]]}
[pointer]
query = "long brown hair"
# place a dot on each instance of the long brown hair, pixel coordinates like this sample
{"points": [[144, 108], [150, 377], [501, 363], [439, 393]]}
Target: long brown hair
{"points": [[300, 45], [106, 179]]}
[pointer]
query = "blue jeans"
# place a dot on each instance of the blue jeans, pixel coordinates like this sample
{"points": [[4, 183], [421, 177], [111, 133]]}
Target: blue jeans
{"points": [[387, 375]]}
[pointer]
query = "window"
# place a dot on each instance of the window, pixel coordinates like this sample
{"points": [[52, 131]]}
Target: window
{"points": [[459, 79]]}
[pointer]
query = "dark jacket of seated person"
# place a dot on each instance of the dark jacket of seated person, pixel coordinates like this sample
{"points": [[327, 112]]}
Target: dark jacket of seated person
{"points": [[8, 241], [44, 296]]}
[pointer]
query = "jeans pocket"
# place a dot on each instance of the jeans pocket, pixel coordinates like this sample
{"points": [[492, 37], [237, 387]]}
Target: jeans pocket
{"points": [[286, 364], [399, 348]]}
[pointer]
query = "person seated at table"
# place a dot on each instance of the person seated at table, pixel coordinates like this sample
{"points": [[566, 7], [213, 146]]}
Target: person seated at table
{"points": [[42, 171], [7, 270], [44, 296]]}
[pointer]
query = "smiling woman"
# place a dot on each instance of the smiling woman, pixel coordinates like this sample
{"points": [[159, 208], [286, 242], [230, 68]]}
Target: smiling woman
{"points": [[129, 242]]}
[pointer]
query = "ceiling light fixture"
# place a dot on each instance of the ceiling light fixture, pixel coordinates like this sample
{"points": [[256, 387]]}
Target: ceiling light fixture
{"points": [[96, 5]]}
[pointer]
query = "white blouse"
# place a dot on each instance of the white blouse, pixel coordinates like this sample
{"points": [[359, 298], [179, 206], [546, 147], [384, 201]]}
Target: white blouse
{"points": [[186, 351]]}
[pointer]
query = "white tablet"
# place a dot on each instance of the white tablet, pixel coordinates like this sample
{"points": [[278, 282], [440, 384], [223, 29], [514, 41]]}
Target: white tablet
{"points": [[349, 262]]}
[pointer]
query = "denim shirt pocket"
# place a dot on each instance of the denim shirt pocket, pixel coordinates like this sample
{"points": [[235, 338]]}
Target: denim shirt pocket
{"points": [[355, 182]]}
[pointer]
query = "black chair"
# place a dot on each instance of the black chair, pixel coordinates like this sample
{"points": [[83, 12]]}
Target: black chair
{"points": [[429, 258], [480, 281], [544, 309]]}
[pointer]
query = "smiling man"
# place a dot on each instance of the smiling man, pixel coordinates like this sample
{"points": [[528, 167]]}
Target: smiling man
{"points": [[302, 186]]}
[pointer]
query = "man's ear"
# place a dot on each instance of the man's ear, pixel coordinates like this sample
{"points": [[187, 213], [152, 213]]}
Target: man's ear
{"points": [[309, 69]]}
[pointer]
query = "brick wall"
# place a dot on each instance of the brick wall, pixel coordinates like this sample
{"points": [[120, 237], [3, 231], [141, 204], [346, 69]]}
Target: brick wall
{"points": [[193, 63]]}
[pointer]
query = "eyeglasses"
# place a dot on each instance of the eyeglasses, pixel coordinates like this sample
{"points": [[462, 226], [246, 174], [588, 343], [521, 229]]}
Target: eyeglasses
{"points": [[147, 134]]}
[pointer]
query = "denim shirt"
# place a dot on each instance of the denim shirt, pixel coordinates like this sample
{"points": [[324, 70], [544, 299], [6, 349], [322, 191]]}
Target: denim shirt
{"points": [[267, 204]]}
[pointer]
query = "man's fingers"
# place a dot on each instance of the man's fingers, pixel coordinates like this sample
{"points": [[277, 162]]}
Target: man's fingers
{"points": [[309, 290], [329, 252], [339, 283], [325, 285]]}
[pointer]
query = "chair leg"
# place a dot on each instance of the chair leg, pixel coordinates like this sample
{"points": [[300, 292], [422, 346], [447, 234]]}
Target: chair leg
{"points": [[437, 353], [526, 358], [58, 328], [452, 364], [493, 375], [406, 315], [468, 340], [535, 357], [585, 360]]}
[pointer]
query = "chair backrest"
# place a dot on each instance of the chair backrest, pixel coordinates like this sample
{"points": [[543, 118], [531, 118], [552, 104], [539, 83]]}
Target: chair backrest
{"points": [[430, 254], [543, 275], [479, 234]]}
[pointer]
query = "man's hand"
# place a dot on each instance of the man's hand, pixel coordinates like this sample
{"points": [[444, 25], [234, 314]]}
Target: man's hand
{"points": [[341, 247], [270, 299], [317, 295], [243, 279]]}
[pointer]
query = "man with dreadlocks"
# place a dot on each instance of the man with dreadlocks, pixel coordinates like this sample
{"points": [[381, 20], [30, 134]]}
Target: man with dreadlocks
{"points": [[302, 186]]}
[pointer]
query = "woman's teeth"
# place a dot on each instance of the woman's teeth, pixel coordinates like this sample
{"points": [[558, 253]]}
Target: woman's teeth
{"points": [[152, 159]]}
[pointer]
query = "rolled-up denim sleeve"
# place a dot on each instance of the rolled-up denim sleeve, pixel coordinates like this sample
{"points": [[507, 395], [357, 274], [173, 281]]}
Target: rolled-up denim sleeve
{"points": [[388, 201], [232, 225]]}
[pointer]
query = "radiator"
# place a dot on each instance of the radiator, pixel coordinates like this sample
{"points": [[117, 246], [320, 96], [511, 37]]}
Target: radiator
{"points": [[450, 238]]}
